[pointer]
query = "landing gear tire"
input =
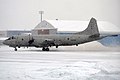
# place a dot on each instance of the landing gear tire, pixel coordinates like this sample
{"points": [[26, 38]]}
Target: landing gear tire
{"points": [[15, 49], [76, 44], [56, 46], [45, 49]]}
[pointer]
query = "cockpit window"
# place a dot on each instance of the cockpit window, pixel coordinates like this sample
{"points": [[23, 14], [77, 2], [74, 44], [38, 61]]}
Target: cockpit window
{"points": [[11, 38], [8, 39]]}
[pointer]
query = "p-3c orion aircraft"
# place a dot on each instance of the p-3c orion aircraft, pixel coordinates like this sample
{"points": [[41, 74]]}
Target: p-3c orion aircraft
{"points": [[91, 33]]}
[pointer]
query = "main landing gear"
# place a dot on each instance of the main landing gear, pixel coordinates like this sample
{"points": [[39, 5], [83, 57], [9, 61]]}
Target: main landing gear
{"points": [[45, 49], [56, 46]]}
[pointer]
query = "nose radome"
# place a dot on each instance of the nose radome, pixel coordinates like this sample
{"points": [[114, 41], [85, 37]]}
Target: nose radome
{"points": [[4, 42]]}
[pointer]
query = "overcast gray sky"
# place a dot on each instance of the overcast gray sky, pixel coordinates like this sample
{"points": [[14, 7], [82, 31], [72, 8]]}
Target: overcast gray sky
{"points": [[23, 14]]}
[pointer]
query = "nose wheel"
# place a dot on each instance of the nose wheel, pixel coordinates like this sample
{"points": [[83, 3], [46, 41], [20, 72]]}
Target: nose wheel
{"points": [[45, 49], [15, 49]]}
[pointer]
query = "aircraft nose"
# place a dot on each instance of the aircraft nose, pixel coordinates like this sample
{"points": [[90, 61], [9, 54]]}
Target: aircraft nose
{"points": [[5, 42]]}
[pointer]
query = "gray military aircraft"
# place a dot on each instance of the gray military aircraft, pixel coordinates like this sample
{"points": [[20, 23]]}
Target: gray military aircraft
{"points": [[91, 33]]}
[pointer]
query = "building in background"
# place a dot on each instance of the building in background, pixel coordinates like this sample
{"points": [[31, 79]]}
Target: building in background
{"points": [[44, 28], [70, 26], [9, 33]]}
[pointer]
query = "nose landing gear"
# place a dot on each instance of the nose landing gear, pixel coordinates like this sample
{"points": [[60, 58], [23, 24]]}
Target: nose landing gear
{"points": [[15, 49]]}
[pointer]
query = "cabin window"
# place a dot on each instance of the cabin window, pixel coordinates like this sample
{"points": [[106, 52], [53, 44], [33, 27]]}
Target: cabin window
{"points": [[22, 39], [13, 37], [68, 39]]}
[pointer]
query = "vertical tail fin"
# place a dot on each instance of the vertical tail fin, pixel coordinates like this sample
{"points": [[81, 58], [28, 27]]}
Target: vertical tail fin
{"points": [[92, 29]]}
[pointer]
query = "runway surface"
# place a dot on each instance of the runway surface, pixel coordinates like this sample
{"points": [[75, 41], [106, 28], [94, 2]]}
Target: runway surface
{"points": [[65, 63]]}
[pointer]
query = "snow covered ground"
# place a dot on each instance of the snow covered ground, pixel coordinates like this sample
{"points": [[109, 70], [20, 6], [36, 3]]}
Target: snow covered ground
{"points": [[64, 63]]}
